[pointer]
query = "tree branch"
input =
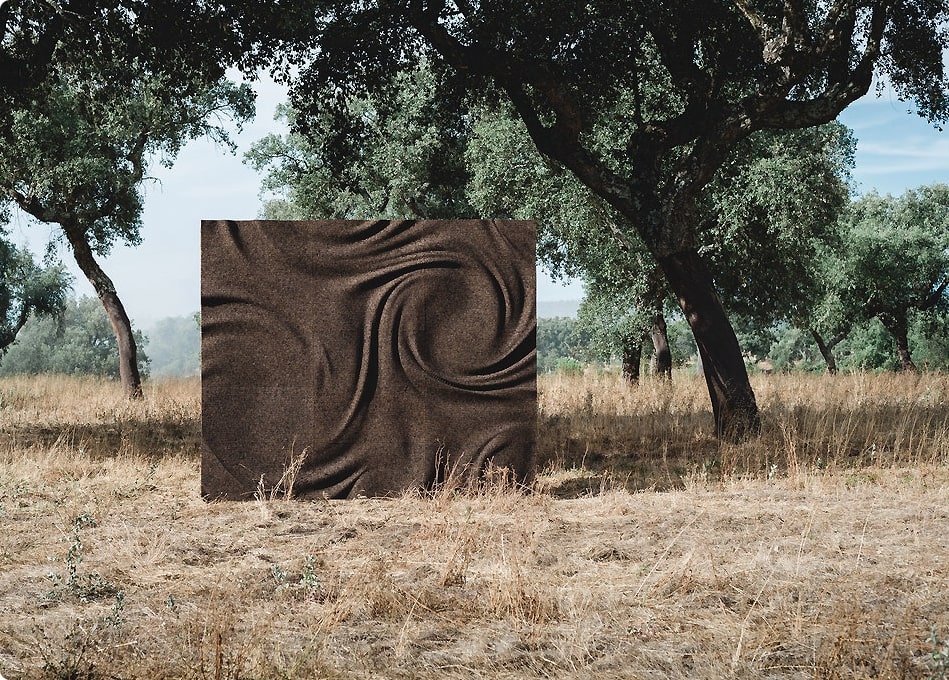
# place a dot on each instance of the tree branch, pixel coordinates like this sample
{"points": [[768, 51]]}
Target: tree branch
{"points": [[561, 140], [837, 93], [933, 298]]}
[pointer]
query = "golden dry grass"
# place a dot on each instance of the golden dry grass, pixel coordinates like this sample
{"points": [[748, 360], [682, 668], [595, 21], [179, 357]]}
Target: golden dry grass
{"points": [[818, 550]]}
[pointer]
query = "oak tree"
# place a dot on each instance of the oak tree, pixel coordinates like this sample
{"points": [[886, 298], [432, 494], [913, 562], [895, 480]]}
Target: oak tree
{"points": [[81, 123], [27, 290], [895, 261], [725, 69]]}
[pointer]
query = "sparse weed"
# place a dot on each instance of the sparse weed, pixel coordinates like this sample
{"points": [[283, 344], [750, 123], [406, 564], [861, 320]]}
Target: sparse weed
{"points": [[283, 489], [76, 655], [938, 661], [69, 658], [279, 575], [82, 586], [307, 585]]}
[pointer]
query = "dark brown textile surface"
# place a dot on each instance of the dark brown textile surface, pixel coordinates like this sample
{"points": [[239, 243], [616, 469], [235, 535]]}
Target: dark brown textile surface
{"points": [[387, 352]]}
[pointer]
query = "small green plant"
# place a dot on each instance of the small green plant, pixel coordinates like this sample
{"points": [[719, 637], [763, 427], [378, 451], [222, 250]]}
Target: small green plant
{"points": [[309, 583], [84, 587], [69, 658], [279, 574], [114, 618], [939, 660]]}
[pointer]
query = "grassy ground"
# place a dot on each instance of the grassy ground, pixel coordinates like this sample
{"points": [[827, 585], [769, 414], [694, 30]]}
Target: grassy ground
{"points": [[818, 550]]}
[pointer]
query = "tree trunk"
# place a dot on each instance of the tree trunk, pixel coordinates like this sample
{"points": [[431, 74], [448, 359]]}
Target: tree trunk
{"points": [[826, 351], [662, 355], [121, 325], [898, 329], [902, 351], [632, 358], [733, 401]]}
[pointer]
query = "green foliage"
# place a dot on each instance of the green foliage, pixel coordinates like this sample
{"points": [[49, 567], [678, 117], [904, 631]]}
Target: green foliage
{"points": [[891, 263], [195, 39], [569, 366], [770, 203], [81, 342], [681, 342], [755, 339], [938, 661], [26, 290], [558, 339], [511, 178], [309, 585], [77, 152], [768, 210], [929, 340], [794, 349], [897, 251], [614, 322], [868, 347], [400, 156]]}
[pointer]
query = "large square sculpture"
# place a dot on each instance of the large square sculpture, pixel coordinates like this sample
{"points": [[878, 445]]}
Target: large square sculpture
{"points": [[365, 358]]}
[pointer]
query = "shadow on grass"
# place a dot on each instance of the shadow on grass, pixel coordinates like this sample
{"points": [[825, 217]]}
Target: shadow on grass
{"points": [[662, 452], [150, 438], [583, 453]]}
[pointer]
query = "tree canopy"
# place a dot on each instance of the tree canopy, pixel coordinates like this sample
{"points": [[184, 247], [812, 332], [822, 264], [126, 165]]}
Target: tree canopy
{"points": [[78, 342], [27, 290], [643, 103], [677, 85], [766, 209], [894, 261], [84, 122]]}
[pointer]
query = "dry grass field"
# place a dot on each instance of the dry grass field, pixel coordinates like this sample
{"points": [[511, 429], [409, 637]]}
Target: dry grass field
{"points": [[647, 549]]}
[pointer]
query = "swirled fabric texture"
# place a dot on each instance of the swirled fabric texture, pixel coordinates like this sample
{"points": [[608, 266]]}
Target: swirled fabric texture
{"points": [[348, 358]]}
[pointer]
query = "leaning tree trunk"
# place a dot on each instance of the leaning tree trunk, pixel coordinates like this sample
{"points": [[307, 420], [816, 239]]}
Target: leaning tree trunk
{"points": [[733, 401], [662, 355], [827, 350], [632, 357], [121, 325]]}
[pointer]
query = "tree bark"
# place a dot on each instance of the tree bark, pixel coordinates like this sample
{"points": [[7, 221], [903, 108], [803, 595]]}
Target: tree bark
{"points": [[902, 351], [898, 328], [733, 401], [662, 355], [632, 357], [826, 351], [121, 325]]}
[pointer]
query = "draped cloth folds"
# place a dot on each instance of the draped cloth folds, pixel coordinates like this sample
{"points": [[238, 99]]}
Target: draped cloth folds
{"points": [[351, 358]]}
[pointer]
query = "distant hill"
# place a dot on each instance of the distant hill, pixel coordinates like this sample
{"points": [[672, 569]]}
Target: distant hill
{"points": [[549, 310]]}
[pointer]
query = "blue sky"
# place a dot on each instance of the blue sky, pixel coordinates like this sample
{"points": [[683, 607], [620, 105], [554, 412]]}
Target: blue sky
{"points": [[896, 150]]}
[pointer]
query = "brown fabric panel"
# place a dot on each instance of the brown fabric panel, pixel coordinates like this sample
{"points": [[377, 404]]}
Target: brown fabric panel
{"points": [[388, 351]]}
